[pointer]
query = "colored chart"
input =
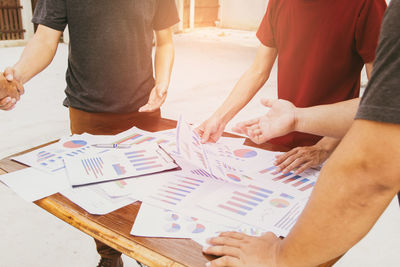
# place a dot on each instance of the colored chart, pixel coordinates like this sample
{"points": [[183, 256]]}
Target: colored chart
{"points": [[290, 218], [233, 177], [245, 153], [76, 152], [141, 161], [242, 202], [136, 139], [172, 228], [119, 169], [204, 173], [44, 155], [171, 216], [299, 182], [173, 192], [279, 203], [196, 228], [93, 166], [75, 144]]}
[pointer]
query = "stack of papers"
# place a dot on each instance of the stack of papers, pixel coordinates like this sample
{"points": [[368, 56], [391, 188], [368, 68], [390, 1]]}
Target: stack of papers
{"points": [[224, 186]]}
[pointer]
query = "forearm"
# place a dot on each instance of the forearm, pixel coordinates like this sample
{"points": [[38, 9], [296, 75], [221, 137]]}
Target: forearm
{"points": [[249, 84], [37, 55], [164, 60], [352, 192], [242, 93], [332, 120]]}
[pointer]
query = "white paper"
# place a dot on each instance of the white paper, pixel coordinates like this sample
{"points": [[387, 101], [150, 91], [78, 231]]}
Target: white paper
{"points": [[257, 204], [95, 201], [168, 223], [117, 164], [31, 184]]}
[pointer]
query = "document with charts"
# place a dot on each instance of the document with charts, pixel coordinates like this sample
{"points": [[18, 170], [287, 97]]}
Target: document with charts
{"points": [[117, 164]]}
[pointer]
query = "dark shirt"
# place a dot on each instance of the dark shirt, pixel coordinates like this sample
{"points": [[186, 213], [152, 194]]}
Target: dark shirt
{"points": [[110, 65], [381, 100]]}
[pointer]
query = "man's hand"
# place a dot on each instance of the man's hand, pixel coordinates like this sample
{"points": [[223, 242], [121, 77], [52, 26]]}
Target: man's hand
{"points": [[211, 130], [237, 249], [279, 121], [157, 97], [10, 90], [300, 159]]}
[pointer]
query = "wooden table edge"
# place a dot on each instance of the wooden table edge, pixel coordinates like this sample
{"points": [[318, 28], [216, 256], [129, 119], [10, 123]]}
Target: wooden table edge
{"points": [[99, 232], [105, 235]]}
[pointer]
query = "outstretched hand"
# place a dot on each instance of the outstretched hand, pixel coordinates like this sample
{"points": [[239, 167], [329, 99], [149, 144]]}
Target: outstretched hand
{"points": [[278, 121], [157, 97], [10, 90], [237, 249]]}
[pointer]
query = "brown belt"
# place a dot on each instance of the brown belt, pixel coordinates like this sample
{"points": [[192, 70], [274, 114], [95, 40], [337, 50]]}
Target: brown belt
{"points": [[108, 123]]}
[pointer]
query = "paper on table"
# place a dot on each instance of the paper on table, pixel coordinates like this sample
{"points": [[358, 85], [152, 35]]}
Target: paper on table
{"points": [[32, 184], [51, 158], [117, 163], [95, 201], [219, 161], [168, 223], [181, 192], [257, 204]]}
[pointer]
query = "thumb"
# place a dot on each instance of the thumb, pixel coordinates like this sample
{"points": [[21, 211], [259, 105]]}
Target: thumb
{"points": [[268, 102], [9, 74]]}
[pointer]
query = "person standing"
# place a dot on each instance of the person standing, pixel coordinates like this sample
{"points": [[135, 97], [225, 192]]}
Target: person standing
{"points": [[321, 48], [110, 70], [357, 183]]}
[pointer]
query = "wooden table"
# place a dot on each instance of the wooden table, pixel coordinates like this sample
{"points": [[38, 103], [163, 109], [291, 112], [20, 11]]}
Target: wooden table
{"points": [[114, 228]]}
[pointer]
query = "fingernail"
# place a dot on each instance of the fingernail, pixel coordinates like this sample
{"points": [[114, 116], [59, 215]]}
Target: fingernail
{"points": [[13, 101], [208, 264], [9, 77]]}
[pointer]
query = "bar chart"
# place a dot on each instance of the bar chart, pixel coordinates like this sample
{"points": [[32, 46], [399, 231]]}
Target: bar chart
{"points": [[298, 182]]}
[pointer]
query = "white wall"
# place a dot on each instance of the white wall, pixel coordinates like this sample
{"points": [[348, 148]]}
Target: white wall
{"points": [[242, 14]]}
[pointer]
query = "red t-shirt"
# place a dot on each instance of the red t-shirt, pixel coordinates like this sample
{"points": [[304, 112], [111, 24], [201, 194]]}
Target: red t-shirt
{"points": [[322, 47]]}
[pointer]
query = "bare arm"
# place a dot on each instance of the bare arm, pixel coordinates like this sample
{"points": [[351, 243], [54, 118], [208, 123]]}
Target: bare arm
{"points": [[332, 120], [163, 62], [353, 190], [355, 186], [38, 54], [249, 84], [245, 89]]}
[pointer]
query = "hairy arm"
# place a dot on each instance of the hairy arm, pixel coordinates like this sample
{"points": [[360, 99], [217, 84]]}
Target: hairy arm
{"points": [[353, 190]]}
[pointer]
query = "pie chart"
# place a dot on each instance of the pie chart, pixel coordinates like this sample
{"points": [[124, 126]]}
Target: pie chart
{"points": [[172, 217], [279, 203], [245, 153], [172, 228], [196, 228], [75, 144]]}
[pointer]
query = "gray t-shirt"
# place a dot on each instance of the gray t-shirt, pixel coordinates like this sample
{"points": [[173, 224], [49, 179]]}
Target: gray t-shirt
{"points": [[381, 100], [110, 65]]}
